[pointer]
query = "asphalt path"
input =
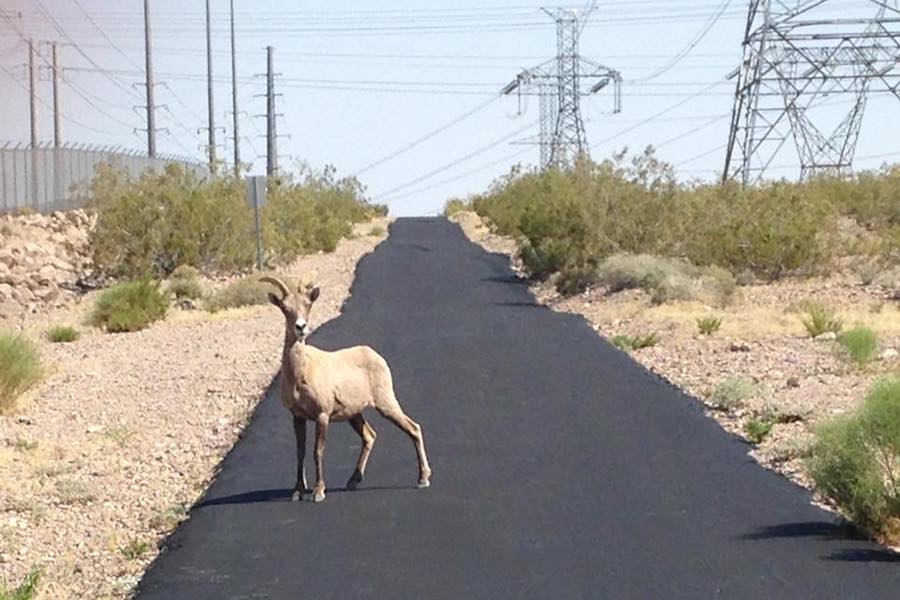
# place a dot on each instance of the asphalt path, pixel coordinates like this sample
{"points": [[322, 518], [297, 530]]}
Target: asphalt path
{"points": [[562, 469]]}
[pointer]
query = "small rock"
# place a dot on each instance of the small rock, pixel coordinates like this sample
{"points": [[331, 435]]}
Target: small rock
{"points": [[739, 347], [793, 382], [94, 428], [889, 354], [828, 336]]}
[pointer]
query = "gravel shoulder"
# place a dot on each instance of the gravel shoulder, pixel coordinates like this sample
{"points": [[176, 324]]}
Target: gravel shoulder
{"points": [[796, 382], [103, 459]]}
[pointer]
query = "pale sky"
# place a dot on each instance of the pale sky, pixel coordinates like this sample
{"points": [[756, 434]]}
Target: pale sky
{"points": [[361, 80]]}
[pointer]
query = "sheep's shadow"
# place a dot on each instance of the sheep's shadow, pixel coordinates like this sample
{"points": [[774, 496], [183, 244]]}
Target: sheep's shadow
{"points": [[284, 495]]}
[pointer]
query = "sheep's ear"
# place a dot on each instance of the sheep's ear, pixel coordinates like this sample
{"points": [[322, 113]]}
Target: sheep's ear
{"points": [[314, 293], [275, 300]]}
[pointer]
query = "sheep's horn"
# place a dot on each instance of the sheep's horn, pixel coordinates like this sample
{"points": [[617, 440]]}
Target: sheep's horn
{"points": [[277, 283]]}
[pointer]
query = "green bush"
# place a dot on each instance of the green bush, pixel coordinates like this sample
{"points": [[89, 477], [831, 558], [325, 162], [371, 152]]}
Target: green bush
{"points": [[185, 272], [247, 291], [821, 319], [183, 288], [455, 205], [574, 219], [855, 460], [312, 213], [860, 344], [26, 591], [627, 342], [377, 231], [758, 430], [62, 333], [731, 393], [129, 306], [162, 220], [20, 368], [709, 325]]}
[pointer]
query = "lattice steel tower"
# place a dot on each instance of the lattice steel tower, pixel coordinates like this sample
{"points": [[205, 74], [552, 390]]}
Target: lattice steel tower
{"points": [[559, 85], [797, 55]]}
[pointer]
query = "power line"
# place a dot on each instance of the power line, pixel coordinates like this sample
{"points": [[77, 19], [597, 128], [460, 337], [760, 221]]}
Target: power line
{"points": [[87, 57], [459, 160], [427, 136], [681, 54]]}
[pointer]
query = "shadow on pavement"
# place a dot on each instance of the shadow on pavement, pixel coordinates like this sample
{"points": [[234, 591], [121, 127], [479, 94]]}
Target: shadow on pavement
{"points": [[807, 529]]}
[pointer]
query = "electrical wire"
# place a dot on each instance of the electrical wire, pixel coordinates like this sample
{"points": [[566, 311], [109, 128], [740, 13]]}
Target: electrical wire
{"points": [[39, 5], [476, 109], [458, 161], [681, 54]]}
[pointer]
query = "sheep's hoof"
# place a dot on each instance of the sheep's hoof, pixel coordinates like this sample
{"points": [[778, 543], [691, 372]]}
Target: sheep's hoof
{"points": [[318, 496], [423, 484], [354, 481], [297, 496]]}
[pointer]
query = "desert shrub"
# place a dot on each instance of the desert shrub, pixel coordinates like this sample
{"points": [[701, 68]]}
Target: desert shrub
{"points": [[27, 590], [638, 342], [161, 220], [185, 272], [758, 430], [312, 212], [666, 279], [129, 306], [709, 325], [731, 393], [820, 319], [185, 288], [247, 291], [62, 333], [578, 217], [860, 344], [855, 459], [455, 205], [20, 368], [377, 231]]}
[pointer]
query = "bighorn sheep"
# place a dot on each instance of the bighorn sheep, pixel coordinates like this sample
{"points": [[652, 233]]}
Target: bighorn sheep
{"points": [[327, 387]]}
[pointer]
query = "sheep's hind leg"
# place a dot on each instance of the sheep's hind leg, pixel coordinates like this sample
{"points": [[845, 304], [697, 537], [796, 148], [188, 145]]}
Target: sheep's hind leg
{"points": [[321, 433], [300, 487], [367, 435], [395, 415]]}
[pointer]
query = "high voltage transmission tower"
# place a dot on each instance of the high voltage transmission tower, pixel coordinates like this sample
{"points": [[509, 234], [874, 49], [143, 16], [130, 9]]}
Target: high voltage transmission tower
{"points": [[796, 54], [559, 84]]}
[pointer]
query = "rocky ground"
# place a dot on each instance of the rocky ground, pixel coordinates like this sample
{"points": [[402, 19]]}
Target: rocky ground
{"points": [[42, 259], [762, 347], [126, 431]]}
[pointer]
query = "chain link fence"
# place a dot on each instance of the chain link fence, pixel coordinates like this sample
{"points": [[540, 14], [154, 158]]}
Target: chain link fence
{"points": [[45, 179]]}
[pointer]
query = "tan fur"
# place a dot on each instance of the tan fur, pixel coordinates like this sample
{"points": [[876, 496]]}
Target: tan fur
{"points": [[326, 387]]}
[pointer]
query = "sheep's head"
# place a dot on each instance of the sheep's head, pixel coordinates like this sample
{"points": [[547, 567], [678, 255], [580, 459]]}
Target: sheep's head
{"points": [[294, 305]]}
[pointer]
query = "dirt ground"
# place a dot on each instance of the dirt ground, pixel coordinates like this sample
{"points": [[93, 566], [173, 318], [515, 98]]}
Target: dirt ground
{"points": [[104, 458], [792, 380]]}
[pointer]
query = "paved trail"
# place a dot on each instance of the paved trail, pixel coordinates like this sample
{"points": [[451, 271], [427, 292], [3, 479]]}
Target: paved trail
{"points": [[562, 469]]}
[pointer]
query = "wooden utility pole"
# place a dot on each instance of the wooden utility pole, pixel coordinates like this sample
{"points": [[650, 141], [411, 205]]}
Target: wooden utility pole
{"points": [[32, 93], [57, 126], [271, 150], [148, 68], [211, 114], [234, 101]]}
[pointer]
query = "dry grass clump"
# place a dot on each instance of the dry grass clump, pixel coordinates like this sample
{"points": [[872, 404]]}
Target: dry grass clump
{"points": [[20, 368], [860, 344], [820, 319], [62, 334], [731, 394], [246, 291]]}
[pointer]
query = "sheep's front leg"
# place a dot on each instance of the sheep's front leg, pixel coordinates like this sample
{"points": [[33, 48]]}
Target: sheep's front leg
{"points": [[321, 432], [300, 433]]}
